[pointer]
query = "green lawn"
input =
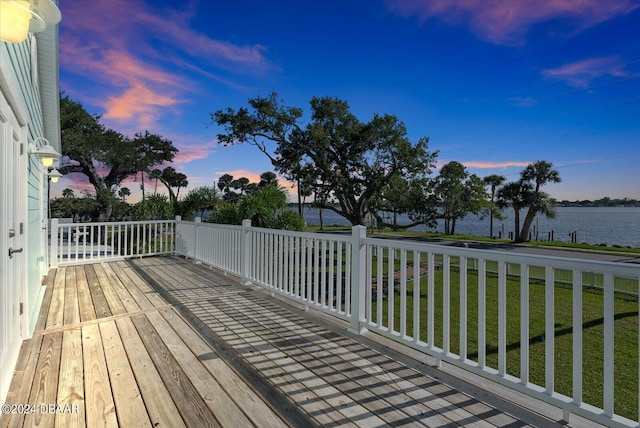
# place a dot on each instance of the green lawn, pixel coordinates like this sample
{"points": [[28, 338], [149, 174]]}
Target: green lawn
{"points": [[626, 322], [626, 332]]}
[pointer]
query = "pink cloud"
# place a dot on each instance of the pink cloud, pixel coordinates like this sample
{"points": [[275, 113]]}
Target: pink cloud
{"points": [[190, 153], [115, 44], [506, 22], [581, 73], [139, 103], [123, 23], [489, 165]]}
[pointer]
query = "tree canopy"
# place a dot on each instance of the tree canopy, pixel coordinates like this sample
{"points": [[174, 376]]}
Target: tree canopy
{"points": [[105, 156], [458, 194], [346, 163]]}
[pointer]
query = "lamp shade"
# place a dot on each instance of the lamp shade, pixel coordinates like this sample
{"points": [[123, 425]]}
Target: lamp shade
{"points": [[18, 17], [46, 154], [54, 175]]}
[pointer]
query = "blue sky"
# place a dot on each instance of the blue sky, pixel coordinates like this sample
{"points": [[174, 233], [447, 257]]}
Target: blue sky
{"points": [[494, 84]]}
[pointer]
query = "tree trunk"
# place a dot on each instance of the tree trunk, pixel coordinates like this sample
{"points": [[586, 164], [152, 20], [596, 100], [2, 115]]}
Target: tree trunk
{"points": [[321, 219], [516, 215], [528, 221], [299, 199], [491, 224], [142, 185], [453, 226]]}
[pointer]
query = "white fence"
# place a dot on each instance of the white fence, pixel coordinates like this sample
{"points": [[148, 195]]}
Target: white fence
{"points": [[75, 243], [533, 323]]}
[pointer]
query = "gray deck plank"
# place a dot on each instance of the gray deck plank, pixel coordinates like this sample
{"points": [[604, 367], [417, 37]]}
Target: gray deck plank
{"points": [[173, 343]]}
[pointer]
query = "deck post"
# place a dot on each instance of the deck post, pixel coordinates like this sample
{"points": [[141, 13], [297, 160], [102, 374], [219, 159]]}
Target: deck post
{"points": [[53, 243], [245, 251], [196, 223], [358, 260]]}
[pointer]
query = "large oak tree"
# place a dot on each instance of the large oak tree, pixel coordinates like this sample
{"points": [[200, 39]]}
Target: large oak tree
{"points": [[105, 156], [346, 162]]}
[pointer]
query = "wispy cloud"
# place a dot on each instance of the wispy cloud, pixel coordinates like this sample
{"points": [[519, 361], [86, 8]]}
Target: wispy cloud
{"points": [[522, 101], [191, 152], [490, 165], [115, 43], [507, 22], [582, 73], [484, 165]]}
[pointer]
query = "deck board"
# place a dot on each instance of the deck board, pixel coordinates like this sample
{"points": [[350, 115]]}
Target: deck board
{"points": [[161, 409], [85, 303], [100, 406], [130, 408], [71, 306], [45, 384], [162, 341], [100, 304], [71, 387], [190, 404]]}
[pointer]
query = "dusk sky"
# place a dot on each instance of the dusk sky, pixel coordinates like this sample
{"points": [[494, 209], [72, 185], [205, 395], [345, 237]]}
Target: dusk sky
{"points": [[494, 84]]}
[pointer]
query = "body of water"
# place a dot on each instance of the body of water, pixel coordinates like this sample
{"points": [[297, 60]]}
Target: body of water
{"points": [[592, 225]]}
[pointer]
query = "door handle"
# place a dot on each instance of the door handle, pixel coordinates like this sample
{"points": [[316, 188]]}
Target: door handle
{"points": [[12, 252]]}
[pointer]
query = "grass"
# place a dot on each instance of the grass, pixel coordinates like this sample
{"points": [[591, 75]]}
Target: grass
{"points": [[431, 236], [626, 323], [626, 333]]}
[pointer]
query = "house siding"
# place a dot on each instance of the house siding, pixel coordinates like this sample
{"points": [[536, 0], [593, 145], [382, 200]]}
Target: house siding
{"points": [[24, 83]]}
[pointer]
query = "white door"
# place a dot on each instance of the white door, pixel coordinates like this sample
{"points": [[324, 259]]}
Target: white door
{"points": [[12, 241]]}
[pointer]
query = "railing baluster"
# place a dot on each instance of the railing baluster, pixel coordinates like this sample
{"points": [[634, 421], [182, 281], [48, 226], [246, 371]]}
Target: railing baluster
{"points": [[524, 324], [431, 298], [577, 337], [446, 302], [308, 294], [323, 278], [416, 295], [339, 286], [379, 284], [390, 290], [403, 292], [549, 330], [502, 317], [463, 308], [316, 271], [609, 344], [482, 313]]}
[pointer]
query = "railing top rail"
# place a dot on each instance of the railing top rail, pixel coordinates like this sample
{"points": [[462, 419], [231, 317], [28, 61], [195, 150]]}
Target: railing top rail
{"points": [[618, 268], [112, 223], [309, 235], [216, 225]]}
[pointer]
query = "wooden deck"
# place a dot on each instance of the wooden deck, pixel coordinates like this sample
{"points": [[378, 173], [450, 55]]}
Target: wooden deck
{"points": [[162, 342]]}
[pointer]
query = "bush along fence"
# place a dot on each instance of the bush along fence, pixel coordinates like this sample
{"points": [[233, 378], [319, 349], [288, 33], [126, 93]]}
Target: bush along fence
{"points": [[533, 323]]}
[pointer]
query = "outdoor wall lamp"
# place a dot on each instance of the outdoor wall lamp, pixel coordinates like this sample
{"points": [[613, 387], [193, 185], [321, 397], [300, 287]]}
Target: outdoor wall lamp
{"points": [[46, 153], [54, 174], [18, 17]]}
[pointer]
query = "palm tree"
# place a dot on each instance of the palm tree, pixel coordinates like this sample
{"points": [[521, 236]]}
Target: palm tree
{"points": [[268, 179], [124, 192], [518, 194], [224, 183], [494, 181], [155, 175], [539, 173]]}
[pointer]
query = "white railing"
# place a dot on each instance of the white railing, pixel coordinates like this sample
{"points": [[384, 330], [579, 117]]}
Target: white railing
{"points": [[215, 245], [525, 321], [75, 243], [533, 323]]}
